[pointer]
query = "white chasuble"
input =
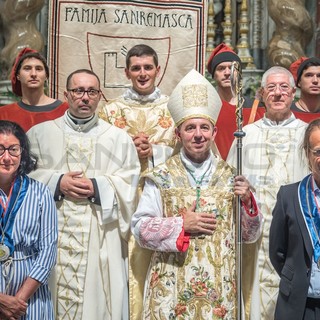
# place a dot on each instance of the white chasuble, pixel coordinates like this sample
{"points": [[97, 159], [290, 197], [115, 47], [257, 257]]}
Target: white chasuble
{"points": [[91, 273]]}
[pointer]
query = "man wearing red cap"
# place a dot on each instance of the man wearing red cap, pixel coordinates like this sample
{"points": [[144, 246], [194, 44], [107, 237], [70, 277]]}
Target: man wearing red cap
{"points": [[219, 66], [306, 73], [28, 76]]}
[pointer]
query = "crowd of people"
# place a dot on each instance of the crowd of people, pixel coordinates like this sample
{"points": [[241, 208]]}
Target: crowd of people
{"points": [[131, 208]]}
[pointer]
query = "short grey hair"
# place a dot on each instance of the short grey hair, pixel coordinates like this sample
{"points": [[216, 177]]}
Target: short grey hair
{"points": [[277, 70]]}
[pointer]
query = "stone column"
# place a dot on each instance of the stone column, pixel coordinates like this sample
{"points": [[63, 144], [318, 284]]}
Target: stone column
{"points": [[210, 28], [256, 31], [228, 24], [20, 31], [243, 43]]}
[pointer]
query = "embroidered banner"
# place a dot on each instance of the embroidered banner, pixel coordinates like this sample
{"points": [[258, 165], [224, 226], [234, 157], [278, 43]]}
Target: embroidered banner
{"points": [[97, 35]]}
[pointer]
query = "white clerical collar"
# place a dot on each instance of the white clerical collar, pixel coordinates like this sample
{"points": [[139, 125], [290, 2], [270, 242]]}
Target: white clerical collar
{"points": [[271, 123], [79, 124], [199, 169], [133, 95]]}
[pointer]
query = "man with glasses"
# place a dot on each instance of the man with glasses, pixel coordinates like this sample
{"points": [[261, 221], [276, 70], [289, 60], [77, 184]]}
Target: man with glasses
{"points": [[271, 157], [92, 169]]}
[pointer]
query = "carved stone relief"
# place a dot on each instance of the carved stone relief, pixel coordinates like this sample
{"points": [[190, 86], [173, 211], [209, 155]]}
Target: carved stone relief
{"points": [[19, 29], [294, 30]]}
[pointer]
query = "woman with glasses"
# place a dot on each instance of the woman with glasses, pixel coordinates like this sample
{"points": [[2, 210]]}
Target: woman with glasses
{"points": [[294, 238], [28, 231]]}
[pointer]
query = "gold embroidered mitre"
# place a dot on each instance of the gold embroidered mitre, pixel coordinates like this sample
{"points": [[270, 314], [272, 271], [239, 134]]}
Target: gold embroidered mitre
{"points": [[194, 97]]}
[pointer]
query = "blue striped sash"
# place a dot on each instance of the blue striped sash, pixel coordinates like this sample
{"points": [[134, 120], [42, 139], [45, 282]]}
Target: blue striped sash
{"points": [[19, 191], [310, 213]]}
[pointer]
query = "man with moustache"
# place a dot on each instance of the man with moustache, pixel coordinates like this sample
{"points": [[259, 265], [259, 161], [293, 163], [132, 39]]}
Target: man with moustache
{"points": [[92, 169]]}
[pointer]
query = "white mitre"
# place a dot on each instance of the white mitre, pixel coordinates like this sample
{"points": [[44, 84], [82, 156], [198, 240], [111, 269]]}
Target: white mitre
{"points": [[194, 97]]}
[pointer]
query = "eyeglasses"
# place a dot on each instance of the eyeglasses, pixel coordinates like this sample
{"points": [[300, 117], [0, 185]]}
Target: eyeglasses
{"points": [[15, 150], [316, 152], [283, 87], [78, 93]]}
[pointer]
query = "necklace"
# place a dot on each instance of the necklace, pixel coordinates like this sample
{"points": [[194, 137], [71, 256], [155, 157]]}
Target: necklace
{"points": [[198, 185], [304, 108], [4, 205]]}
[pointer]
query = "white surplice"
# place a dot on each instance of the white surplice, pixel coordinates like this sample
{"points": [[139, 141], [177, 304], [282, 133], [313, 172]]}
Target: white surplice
{"points": [[271, 157], [91, 279]]}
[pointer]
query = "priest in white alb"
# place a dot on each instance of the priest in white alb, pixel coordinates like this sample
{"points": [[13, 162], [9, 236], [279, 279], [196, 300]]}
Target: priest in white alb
{"points": [[92, 168], [271, 156]]}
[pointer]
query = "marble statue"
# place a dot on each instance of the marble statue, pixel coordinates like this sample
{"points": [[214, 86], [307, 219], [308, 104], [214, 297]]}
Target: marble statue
{"points": [[294, 30], [19, 29]]}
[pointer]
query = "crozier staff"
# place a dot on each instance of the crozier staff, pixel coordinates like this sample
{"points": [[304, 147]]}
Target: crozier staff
{"points": [[186, 214], [28, 231]]}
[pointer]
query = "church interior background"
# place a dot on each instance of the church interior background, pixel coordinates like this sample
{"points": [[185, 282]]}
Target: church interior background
{"points": [[263, 33]]}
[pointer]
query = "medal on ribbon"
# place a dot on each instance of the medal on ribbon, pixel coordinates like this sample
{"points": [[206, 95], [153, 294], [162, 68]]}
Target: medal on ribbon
{"points": [[4, 252], [8, 213]]}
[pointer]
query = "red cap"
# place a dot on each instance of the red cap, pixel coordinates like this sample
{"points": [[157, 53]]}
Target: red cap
{"points": [[221, 53], [299, 65], [294, 67], [15, 83]]}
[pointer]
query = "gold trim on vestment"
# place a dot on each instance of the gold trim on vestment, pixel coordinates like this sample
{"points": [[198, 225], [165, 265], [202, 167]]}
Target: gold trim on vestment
{"points": [[201, 281]]}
